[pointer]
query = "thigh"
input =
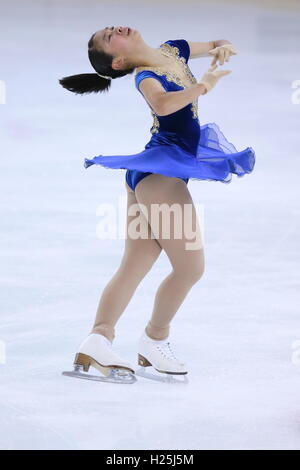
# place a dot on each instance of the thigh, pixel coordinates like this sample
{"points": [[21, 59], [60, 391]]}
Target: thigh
{"points": [[182, 241], [146, 245]]}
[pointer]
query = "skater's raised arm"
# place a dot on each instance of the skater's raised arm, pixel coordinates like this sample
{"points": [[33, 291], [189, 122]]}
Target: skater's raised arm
{"points": [[220, 50], [200, 49], [167, 102]]}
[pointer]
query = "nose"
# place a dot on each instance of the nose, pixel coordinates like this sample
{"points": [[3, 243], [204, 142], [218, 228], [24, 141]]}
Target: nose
{"points": [[119, 29]]}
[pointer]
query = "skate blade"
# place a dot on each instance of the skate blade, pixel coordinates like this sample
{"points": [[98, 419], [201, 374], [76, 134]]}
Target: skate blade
{"points": [[162, 377], [120, 376]]}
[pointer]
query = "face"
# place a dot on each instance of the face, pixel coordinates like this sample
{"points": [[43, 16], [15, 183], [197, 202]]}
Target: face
{"points": [[118, 41]]}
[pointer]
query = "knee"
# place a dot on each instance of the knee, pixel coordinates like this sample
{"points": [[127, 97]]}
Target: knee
{"points": [[195, 273], [191, 273], [195, 267]]}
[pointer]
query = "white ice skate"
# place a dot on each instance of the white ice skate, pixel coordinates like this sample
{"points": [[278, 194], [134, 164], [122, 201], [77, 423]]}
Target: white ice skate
{"points": [[96, 351], [161, 357]]}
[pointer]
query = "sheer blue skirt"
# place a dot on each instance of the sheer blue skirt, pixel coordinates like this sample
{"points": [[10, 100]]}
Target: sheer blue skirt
{"points": [[216, 159]]}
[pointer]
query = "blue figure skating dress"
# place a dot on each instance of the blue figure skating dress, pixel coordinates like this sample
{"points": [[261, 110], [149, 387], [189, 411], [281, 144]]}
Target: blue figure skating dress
{"points": [[179, 146]]}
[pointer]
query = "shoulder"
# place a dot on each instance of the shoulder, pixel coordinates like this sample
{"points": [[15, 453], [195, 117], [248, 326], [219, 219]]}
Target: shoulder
{"points": [[148, 72], [179, 47]]}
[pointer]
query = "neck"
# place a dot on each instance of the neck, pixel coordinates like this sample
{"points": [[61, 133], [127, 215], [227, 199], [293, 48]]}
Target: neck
{"points": [[151, 57]]}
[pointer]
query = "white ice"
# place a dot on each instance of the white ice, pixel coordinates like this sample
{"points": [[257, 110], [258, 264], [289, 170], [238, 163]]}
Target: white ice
{"points": [[239, 323]]}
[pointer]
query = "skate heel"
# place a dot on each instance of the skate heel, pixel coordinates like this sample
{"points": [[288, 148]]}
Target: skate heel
{"points": [[83, 360], [142, 361]]}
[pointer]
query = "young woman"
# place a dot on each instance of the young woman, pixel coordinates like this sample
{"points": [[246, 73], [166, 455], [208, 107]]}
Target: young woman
{"points": [[180, 149]]}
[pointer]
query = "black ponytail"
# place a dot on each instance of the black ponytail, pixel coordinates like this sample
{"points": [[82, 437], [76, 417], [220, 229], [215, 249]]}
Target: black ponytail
{"points": [[85, 83], [92, 82]]}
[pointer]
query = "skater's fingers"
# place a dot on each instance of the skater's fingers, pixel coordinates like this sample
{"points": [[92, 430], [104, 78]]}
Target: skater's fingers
{"points": [[221, 56], [213, 51], [212, 68], [227, 55], [213, 62], [221, 73]]}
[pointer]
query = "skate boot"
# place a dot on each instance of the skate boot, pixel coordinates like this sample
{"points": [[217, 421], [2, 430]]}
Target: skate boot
{"points": [[96, 351], [159, 355]]}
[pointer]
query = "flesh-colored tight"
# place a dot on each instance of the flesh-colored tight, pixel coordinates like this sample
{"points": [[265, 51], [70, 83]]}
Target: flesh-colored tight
{"points": [[141, 253]]}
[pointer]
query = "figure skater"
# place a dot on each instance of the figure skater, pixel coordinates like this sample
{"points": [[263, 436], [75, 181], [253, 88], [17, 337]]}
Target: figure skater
{"points": [[180, 149]]}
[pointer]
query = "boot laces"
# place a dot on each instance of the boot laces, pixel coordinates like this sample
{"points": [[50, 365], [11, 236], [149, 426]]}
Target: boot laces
{"points": [[167, 350]]}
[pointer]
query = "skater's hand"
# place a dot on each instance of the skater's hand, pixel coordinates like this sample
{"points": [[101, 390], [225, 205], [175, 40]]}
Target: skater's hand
{"points": [[222, 54], [211, 77]]}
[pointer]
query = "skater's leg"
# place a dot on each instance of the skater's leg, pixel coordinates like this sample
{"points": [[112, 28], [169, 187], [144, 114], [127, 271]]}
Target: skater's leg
{"points": [[139, 256], [187, 264]]}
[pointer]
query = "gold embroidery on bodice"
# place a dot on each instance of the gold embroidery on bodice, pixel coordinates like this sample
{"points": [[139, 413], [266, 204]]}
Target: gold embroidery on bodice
{"points": [[185, 80]]}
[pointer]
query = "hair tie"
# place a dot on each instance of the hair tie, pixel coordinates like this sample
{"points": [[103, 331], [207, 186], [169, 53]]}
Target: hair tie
{"points": [[104, 76]]}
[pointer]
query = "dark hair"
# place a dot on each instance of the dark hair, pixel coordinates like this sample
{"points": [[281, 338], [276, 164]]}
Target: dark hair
{"points": [[91, 82]]}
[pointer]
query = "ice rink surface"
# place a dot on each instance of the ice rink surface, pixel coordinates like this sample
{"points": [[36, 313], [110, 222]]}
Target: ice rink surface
{"points": [[239, 326]]}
